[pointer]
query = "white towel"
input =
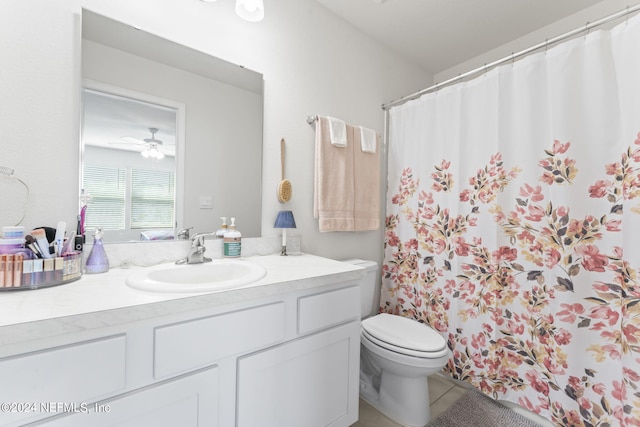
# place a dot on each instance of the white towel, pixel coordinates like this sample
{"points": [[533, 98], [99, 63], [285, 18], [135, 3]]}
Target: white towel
{"points": [[337, 132], [368, 139]]}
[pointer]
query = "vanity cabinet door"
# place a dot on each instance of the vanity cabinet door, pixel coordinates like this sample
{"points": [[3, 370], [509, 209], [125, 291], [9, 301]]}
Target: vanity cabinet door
{"points": [[312, 381], [188, 401], [54, 380]]}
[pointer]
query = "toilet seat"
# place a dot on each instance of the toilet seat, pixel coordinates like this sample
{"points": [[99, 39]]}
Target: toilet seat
{"points": [[405, 336]]}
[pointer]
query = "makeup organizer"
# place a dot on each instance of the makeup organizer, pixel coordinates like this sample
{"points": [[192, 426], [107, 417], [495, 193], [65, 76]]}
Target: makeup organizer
{"points": [[36, 260], [25, 265], [18, 273]]}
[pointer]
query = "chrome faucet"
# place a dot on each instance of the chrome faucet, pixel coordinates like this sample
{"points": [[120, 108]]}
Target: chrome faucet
{"points": [[184, 233], [197, 250]]}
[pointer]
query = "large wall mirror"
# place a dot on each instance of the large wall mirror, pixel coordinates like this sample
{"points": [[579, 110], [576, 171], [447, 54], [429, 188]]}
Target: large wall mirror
{"points": [[131, 163], [171, 137]]}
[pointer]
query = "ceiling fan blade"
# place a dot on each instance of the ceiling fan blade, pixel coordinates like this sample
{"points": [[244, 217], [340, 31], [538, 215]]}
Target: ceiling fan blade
{"points": [[132, 140]]}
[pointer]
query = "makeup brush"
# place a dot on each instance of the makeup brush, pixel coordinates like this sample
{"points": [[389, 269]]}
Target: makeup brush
{"points": [[30, 242], [42, 242]]}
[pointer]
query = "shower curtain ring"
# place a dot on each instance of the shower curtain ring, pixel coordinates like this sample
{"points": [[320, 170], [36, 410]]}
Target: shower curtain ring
{"points": [[586, 29], [626, 18]]}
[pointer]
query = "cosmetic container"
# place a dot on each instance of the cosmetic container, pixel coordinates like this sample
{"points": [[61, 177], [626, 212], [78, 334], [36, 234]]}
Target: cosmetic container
{"points": [[97, 261], [20, 272], [11, 246], [13, 232]]}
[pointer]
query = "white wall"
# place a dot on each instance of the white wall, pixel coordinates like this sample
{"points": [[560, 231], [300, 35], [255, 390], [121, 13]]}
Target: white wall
{"points": [[39, 112], [570, 23], [312, 62]]}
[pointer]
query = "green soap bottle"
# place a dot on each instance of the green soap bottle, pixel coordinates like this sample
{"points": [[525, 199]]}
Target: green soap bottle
{"points": [[232, 241]]}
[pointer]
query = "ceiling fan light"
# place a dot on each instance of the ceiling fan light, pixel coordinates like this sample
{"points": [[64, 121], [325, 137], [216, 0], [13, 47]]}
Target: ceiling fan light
{"points": [[250, 10], [152, 150]]}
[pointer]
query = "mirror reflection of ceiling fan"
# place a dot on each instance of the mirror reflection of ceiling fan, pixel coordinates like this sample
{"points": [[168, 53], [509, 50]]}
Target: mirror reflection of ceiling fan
{"points": [[152, 146]]}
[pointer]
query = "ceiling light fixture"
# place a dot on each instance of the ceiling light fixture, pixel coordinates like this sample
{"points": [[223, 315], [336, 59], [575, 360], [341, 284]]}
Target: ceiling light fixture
{"points": [[249, 10], [152, 151], [152, 147]]}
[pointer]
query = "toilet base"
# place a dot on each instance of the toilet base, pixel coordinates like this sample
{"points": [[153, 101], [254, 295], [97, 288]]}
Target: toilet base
{"points": [[404, 400]]}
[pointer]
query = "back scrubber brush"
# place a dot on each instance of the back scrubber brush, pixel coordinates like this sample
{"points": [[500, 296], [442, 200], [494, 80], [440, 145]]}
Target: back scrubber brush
{"points": [[284, 186]]}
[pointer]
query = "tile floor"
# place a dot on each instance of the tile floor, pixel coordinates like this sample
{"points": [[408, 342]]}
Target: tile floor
{"points": [[443, 392]]}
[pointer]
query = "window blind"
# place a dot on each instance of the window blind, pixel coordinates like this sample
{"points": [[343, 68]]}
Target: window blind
{"points": [[107, 188], [152, 199], [141, 199]]}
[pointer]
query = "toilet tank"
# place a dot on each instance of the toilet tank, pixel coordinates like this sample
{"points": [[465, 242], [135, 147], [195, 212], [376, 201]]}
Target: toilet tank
{"points": [[369, 295]]}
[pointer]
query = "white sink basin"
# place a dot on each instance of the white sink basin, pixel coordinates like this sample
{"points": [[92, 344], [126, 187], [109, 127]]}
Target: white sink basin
{"points": [[217, 275]]}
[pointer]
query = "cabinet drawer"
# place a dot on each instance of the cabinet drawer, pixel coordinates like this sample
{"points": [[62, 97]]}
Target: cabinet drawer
{"points": [[196, 343], [189, 401], [327, 309], [77, 373]]}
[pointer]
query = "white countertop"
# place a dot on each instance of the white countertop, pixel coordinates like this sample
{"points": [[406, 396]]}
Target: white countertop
{"points": [[102, 300]]}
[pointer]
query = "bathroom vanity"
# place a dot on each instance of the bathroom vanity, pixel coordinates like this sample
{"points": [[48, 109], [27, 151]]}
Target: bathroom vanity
{"points": [[283, 351]]}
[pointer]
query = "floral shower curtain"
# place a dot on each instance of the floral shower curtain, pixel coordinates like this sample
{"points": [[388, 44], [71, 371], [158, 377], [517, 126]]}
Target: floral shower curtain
{"points": [[513, 227]]}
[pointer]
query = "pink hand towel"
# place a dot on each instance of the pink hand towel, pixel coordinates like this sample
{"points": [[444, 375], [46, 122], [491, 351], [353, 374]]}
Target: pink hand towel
{"points": [[366, 187], [333, 179]]}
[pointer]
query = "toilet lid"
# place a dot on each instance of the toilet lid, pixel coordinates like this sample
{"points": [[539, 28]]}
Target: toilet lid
{"points": [[404, 333]]}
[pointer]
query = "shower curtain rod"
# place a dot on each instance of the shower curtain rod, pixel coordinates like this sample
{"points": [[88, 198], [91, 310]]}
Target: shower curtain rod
{"points": [[513, 56]]}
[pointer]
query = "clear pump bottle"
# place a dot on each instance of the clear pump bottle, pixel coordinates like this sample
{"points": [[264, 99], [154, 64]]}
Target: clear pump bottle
{"points": [[97, 261], [223, 228]]}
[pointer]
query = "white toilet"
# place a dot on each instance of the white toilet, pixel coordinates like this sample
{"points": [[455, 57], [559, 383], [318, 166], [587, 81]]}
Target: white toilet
{"points": [[397, 354]]}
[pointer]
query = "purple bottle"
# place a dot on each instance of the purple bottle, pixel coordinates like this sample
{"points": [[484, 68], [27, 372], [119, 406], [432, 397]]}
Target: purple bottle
{"points": [[97, 261]]}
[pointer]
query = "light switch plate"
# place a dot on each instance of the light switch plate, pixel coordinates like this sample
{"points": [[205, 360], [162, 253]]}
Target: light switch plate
{"points": [[206, 202]]}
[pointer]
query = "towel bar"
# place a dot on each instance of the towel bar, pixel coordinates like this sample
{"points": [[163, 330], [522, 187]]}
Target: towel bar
{"points": [[312, 119]]}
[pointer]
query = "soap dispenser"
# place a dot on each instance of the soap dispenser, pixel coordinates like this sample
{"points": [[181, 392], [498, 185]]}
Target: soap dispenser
{"points": [[97, 261], [232, 241], [223, 228], [219, 235]]}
